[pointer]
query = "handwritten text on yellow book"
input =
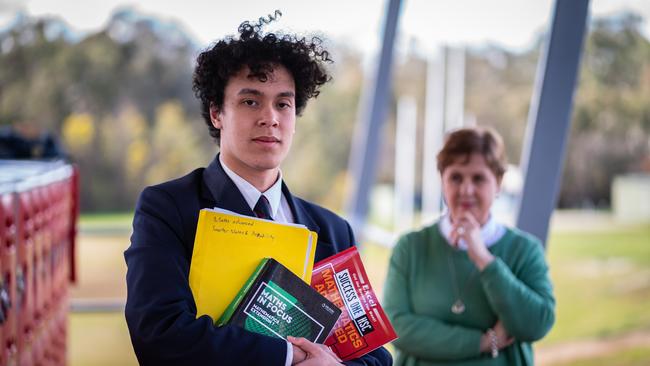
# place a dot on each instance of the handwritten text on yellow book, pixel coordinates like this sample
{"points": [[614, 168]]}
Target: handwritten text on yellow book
{"points": [[228, 247]]}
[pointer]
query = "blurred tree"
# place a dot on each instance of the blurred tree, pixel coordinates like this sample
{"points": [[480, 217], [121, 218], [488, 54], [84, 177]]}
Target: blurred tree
{"points": [[322, 142], [498, 92], [611, 123], [78, 133], [122, 102], [174, 146], [86, 89], [79, 138], [119, 134]]}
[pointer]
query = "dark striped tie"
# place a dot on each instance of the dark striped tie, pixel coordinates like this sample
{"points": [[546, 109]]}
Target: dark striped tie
{"points": [[263, 208]]}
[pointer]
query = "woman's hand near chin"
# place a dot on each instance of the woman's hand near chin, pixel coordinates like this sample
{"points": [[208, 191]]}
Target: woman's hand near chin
{"points": [[466, 227]]}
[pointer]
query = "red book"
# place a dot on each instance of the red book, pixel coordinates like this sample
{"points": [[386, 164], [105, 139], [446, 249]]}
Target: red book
{"points": [[363, 325]]}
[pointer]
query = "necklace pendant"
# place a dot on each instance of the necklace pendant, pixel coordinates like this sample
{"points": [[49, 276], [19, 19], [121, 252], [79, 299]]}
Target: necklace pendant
{"points": [[458, 307]]}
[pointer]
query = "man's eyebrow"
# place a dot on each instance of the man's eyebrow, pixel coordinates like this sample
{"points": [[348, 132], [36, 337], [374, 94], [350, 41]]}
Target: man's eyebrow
{"points": [[249, 91], [245, 91], [287, 94]]}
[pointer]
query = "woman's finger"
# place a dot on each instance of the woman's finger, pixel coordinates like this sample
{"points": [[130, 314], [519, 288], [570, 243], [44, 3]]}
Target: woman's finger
{"points": [[453, 237], [469, 221]]}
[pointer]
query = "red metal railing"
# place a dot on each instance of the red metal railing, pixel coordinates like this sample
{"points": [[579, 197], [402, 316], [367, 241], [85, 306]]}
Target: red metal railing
{"points": [[38, 215]]}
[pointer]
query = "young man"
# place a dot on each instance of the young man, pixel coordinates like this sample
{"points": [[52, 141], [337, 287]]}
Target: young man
{"points": [[251, 90]]}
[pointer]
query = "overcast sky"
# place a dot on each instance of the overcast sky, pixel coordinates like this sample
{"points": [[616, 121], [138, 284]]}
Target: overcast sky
{"points": [[510, 23]]}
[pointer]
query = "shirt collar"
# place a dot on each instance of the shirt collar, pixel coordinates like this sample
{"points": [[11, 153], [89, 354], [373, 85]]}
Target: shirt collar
{"points": [[251, 194], [491, 232]]}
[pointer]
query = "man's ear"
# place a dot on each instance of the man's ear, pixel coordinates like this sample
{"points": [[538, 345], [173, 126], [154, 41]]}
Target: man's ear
{"points": [[215, 116]]}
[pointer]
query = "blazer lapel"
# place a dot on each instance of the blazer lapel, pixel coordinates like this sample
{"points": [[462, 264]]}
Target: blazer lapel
{"points": [[300, 214], [222, 191]]}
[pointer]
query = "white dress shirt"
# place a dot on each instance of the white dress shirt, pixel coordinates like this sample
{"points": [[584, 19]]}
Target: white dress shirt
{"points": [[280, 210]]}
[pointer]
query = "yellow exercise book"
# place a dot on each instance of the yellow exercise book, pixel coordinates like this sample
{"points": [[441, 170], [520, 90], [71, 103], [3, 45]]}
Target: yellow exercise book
{"points": [[228, 247]]}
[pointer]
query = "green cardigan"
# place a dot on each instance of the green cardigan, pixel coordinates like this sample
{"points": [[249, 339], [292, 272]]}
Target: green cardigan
{"points": [[419, 293]]}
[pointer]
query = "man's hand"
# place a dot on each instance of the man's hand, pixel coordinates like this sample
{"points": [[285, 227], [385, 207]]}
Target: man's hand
{"points": [[317, 354], [298, 355]]}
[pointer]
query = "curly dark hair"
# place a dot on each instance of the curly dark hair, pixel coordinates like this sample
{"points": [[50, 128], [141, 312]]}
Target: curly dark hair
{"points": [[303, 58]]}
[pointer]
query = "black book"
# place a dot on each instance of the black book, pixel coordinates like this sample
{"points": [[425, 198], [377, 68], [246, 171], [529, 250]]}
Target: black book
{"points": [[277, 303]]}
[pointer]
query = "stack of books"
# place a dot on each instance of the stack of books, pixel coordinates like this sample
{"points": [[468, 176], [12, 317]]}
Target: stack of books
{"points": [[255, 273]]}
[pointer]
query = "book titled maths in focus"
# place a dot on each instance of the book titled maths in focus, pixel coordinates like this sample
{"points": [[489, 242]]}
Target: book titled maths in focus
{"points": [[276, 302]]}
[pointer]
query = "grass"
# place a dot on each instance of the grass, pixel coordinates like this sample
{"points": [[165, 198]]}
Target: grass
{"points": [[106, 219], [601, 279], [602, 282], [106, 222], [630, 243], [629, 357], [99, 339], [101, 269]]}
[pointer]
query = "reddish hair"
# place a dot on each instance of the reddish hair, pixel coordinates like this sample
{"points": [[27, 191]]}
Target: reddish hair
{"points": [[462, 143]]}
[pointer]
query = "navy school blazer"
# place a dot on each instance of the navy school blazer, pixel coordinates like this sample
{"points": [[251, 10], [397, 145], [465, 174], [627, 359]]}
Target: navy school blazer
{"points": [[160, 309]]}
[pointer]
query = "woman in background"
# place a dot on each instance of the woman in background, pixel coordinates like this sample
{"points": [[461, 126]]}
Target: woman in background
{"points": [[468, 290]]}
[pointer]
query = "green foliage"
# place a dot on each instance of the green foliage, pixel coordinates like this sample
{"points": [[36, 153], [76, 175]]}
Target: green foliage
{"points": [[103, 96], [611, 115], [499, 87], [316, 167], [616, 53], [121, 101], [173, 146], [611, 123]]}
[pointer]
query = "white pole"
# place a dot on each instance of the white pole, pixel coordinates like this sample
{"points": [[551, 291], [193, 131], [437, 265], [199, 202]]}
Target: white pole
{"points": [[405, 163], [433, 129], [454, 111]]}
